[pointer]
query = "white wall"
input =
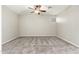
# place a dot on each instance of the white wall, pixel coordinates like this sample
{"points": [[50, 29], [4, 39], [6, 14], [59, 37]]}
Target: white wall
{"points": [[9, 25], [37, 25], [68, 25]]}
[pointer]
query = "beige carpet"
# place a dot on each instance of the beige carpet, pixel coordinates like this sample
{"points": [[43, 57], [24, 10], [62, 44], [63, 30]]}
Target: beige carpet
{"points": [[39, 45]]}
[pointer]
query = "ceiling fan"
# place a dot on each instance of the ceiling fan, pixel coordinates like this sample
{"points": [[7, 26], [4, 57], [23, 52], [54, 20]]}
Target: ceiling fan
{"points": [[39, 9]]}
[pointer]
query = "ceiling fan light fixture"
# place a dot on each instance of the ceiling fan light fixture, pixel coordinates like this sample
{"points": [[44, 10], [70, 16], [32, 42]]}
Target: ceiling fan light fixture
{"points": [[37, 11]]}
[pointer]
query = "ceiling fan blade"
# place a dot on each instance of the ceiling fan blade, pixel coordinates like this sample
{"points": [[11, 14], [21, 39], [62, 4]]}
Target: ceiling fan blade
{"points": [[32, 12], [49, 7], [43, 10], [30, 8]]}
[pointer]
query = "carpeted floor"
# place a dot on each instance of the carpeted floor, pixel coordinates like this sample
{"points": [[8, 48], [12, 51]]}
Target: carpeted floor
{"points": [[39, 45]]}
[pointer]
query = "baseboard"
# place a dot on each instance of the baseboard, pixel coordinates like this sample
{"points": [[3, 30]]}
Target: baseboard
{"points": [[68, 41], [35, 35], [9, 40], [38, 36]]}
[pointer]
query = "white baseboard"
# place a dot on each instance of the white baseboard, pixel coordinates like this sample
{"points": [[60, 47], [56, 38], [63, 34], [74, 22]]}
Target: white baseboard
{"points": [[35, 35], [39, 36], [9, 40], [68, 41]]}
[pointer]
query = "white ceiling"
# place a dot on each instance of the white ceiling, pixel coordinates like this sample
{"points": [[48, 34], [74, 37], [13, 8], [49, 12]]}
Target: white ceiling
{"points": [[55, 10]]}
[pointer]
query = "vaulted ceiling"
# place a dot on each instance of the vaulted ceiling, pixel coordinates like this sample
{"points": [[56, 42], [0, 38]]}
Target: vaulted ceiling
{"points": [[55, 10]]}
